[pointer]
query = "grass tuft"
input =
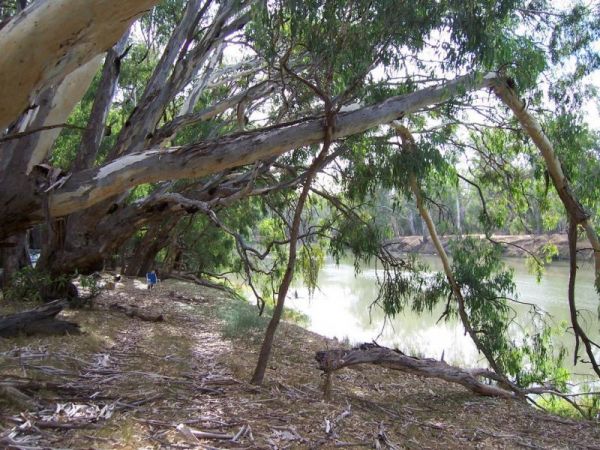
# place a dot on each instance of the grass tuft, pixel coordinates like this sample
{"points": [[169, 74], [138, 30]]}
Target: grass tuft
{"points": [[241, 320]]}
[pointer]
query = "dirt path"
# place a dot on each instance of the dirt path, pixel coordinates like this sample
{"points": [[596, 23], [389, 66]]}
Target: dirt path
{"points": [[127, 384]]}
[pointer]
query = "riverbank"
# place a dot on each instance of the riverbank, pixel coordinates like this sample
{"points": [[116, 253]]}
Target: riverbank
{"points": [[513, 245], [182, 383]]}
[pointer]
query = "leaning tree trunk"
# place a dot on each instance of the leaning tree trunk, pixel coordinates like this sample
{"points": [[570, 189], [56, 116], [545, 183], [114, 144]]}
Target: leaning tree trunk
{"points": [[50, 39], [267, 345], [22, 156], [73, 242], [89, 187], [408, 143], [578, 216]]}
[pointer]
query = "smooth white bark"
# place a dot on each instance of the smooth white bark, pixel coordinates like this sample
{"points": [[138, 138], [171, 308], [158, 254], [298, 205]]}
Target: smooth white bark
{"points": [[68, 94], [50, 39]]}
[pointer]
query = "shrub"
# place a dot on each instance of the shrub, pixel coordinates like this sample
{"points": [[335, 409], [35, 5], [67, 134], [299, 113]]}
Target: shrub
{"points": [[241, 321], [27, 284]]}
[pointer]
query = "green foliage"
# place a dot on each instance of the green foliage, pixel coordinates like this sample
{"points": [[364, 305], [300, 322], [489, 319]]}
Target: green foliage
{"points": [[572, 46], [241, 321], [578, 149], [536, 265], [410, 284], [588, 405], [90, 285], [535, 360], [487, 286], [310, 262], [358, 236], [24, 285], [29, 284], [208, 248], [375, 164]]}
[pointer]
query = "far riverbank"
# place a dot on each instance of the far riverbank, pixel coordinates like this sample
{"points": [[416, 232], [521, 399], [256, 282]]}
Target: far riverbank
{"points": [[514, 245]]}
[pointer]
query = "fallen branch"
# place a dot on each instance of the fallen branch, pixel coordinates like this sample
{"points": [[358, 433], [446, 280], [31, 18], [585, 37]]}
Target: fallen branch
{"points": [[40, 320], [192, 435], [332, 360], [199, 281], [16, 397], [133, 311]]}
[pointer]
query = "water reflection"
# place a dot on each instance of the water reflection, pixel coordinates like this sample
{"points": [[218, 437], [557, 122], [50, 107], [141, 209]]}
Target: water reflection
{"points": [[340, 308]]}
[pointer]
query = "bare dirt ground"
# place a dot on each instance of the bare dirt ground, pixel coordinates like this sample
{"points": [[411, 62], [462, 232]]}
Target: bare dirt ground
{"points": [[178, 384]]}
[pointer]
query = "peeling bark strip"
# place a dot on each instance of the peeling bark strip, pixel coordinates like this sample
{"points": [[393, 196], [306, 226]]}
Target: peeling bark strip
{"points": [[332, 360], [89, 187], [51, 38]]}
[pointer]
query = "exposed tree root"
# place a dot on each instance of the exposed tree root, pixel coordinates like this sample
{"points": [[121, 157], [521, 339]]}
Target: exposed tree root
{"points": [[332, 360]]}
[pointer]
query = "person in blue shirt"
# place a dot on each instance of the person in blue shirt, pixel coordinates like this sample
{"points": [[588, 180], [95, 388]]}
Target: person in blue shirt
{"points": [[151, 278]]}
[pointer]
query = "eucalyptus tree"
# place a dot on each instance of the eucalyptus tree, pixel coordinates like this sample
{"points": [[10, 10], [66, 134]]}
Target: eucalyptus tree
{"points": [[181, 62], [175, 128]]}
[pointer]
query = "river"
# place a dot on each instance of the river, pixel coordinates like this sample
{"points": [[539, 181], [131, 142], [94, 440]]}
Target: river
{"points": [[339, 309]]}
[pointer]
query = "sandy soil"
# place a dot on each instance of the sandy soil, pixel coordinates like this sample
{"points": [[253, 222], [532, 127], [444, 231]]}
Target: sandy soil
{"points": [[130, 384]]}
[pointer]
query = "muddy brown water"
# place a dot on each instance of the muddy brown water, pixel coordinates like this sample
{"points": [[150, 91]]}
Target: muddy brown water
{"points": [[340, 308]]}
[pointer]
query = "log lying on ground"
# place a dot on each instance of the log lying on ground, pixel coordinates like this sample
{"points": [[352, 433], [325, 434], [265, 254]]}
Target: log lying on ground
{"points": [[199, 281], [134, 311], [332, 360], [17, 398], [40, 321]]}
